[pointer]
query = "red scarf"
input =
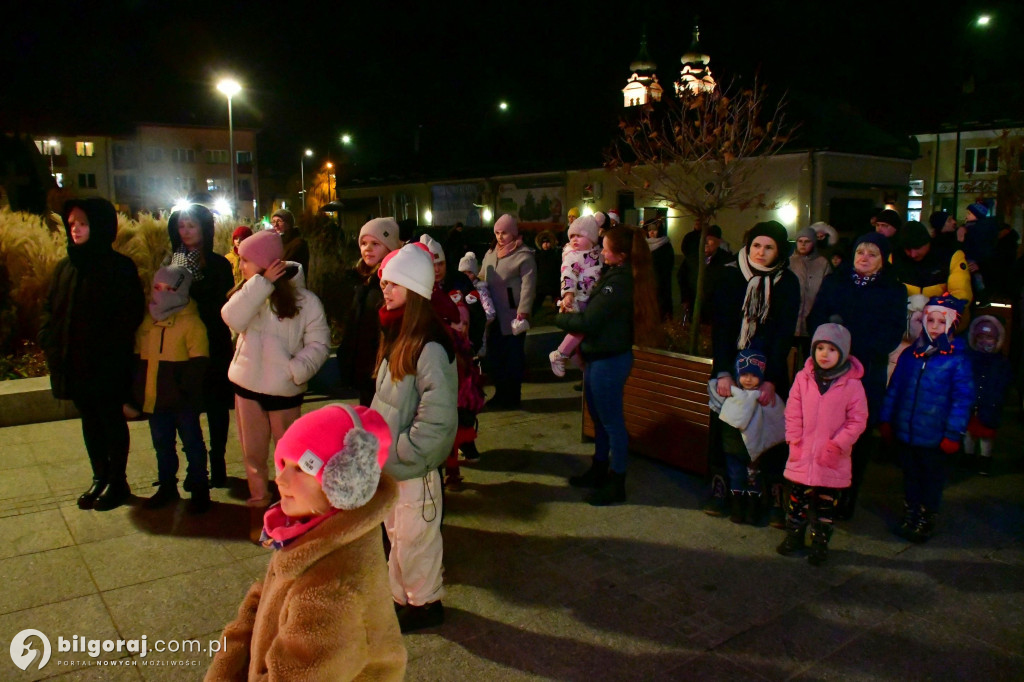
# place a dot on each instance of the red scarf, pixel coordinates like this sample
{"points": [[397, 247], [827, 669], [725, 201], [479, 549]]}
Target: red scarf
{"points": [[390, 319], [279, 529]]}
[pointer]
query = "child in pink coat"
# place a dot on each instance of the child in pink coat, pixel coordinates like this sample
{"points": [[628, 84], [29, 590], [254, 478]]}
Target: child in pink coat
{"points": [[826, 414]]}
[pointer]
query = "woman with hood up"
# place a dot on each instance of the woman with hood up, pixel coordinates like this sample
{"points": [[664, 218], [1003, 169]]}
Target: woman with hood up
{"points": [[191, 232], [94, 305]]}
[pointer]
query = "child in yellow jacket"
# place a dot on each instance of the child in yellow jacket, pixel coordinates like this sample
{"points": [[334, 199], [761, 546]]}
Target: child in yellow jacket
{"points": [[172, 352]]}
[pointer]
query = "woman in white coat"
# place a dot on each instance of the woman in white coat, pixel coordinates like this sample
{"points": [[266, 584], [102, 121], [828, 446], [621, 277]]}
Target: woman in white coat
{"points": [[283, 341], [417, 385]]}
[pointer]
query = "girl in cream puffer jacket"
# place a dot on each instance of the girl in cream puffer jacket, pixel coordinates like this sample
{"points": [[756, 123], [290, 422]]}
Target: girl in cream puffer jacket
{"points": [[282, 342]]}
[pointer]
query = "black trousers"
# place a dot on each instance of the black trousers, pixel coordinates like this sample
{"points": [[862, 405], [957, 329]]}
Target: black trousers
{"points": [[106, 437]]}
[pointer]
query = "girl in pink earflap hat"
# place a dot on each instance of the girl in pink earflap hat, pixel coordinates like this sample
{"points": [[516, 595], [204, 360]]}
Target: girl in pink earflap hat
{"points": [[322, 612]]}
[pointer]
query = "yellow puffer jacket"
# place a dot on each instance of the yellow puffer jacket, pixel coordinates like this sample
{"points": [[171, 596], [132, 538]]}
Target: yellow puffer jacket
{"points": [[171, 356]]}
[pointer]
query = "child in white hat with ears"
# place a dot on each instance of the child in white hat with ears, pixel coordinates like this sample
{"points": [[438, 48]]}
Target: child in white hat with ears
{"points": [[322, 612]]}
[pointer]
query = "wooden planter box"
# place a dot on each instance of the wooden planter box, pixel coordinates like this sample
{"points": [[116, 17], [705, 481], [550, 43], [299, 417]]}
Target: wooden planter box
{"points": [[666, 406]]}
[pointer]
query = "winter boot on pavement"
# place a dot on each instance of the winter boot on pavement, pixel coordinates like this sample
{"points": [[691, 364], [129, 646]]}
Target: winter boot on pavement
{"points": [[87, 499], [752, 508], [794, 541], [906, 526], [116, 494], [612, 492], [412, 618], [715, 505], [736, 499], [199, 502], [924, 527], [821, 533], [165, 495], [594, 477]]}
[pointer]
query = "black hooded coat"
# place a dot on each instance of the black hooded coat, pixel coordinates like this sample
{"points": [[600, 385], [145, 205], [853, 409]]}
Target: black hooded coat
{"points": [[93, 308]]}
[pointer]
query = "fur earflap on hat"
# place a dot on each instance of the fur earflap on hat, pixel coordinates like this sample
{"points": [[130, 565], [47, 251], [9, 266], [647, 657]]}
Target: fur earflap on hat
{"points": [[751, 362], [822, 228], [262, 249], [585, 227], [384, 230], [436, 250], [411, 267], [986, 324], [343, 447], [469, 263], [837, 335]]}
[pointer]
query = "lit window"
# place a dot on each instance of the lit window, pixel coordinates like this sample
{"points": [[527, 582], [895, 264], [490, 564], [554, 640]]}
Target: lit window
{"points": [[84, 148], [48, 147]]}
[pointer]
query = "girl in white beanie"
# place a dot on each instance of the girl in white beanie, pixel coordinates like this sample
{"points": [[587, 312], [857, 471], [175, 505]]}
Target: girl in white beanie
{"points": [[416, 394]]}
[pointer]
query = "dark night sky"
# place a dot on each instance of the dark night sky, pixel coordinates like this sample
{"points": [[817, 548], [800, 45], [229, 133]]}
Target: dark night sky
{"points": [[382, 71]]}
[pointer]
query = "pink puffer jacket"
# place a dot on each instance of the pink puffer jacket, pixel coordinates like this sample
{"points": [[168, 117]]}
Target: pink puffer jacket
{"points": [[821, 429]]}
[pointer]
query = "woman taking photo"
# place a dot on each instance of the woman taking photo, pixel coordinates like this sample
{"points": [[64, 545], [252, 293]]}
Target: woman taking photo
{"points": [[872, 304], [191, 232], [756, 305], [510, 272], [358, 351], [417, 385], [88, 334], [624, 292]]}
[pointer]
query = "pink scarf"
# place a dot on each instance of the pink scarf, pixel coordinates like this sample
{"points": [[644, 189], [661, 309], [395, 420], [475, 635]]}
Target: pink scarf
{"points": [[502, 251], [279, 529]]}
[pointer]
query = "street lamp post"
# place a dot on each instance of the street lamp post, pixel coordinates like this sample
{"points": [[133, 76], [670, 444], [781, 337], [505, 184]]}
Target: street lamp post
{"points": [[230, 87], [330, 167], [302, 176]]}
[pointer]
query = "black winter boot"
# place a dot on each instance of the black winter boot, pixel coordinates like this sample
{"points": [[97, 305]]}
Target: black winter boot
{"points": [[218, 471], [905, 528], [594, 477], [87, 499], [752, 508], [924, 527], [821, 533], [116, 494], [165, 495], [715, 504], [794, 541], [612, 492], [736, 498], [199, 503], [777, 513]]}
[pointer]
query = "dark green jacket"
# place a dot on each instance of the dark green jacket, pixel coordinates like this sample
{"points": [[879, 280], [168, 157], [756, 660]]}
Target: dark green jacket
{"points": [[607, 322]]}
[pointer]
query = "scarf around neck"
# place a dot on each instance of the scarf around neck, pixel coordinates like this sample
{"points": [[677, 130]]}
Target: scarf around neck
{"points": [[758, 299], [390, 320], [656, 242], [825, 377], [502, 251], [280, 530], [926, 346], [188, 259]]}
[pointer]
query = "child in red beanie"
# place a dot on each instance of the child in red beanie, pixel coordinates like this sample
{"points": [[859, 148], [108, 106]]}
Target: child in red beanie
{"points": [[323, 611]]}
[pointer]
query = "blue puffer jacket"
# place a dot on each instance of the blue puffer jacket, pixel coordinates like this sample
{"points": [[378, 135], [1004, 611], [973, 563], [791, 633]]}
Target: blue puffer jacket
{"points": [[930, 398]]}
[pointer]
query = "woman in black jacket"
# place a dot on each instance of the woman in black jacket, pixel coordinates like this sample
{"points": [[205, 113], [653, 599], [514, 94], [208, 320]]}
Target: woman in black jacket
{"points": [[625, 292], [870, 301], [90, 316], [663, 258], [756, 305], [191, 231]]}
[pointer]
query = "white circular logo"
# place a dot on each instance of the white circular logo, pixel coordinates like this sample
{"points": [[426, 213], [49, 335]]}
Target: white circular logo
{"points": [[23, 654]]}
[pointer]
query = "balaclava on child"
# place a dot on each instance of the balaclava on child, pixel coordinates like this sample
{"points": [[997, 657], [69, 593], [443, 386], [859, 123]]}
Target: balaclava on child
{"points": [[163, 304]]}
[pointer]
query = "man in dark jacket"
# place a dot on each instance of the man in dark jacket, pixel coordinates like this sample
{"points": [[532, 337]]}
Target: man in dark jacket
{"points": [[716, 258], [90, 316], [295, 247]]}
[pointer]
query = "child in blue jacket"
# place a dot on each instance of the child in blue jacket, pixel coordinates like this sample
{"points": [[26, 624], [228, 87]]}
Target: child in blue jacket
{"points": [[926, 408]]}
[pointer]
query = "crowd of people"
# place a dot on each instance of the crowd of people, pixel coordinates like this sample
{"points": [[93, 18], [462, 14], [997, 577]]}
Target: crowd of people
{"points": [[812, 351]]}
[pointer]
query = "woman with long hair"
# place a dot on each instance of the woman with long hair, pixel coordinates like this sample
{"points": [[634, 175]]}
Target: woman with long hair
{"points": [[359, 346], [416, 394], [283, 341], [191, 232], [625, 292]]}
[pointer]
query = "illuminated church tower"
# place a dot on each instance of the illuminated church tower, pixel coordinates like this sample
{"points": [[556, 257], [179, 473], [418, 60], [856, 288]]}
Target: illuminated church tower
{"points": [[642, 87], [695, 75]]}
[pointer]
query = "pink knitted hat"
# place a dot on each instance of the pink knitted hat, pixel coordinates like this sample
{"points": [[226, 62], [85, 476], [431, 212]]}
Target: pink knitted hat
{"points": [[344, 447], [507, 223], [263, 248]]}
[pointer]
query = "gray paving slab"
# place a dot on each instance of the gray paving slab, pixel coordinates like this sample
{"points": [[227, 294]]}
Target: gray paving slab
{"points": [[540, 584]]}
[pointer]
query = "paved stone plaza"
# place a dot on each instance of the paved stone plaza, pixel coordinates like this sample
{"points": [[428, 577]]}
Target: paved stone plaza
{"points": [[540, 584]]}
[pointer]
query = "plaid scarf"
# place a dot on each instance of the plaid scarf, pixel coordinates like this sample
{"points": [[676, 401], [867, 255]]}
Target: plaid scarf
{"points": [[188, 259]]}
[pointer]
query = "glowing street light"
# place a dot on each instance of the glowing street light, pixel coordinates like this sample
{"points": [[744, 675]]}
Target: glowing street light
{"points": [[230, 88], [329, 176], [346, 139], [503, 105], [302, 176], [984, 20]]}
